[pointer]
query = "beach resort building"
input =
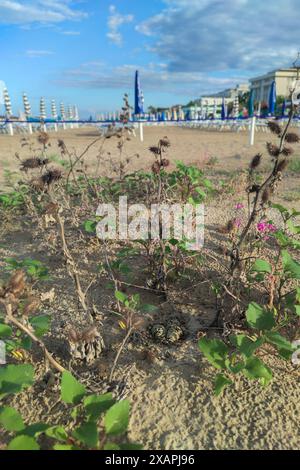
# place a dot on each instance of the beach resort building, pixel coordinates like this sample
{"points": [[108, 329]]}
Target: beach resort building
{"points": [[262, 85]]}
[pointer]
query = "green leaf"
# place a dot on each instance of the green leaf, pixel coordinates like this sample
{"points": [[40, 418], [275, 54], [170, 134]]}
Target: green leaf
{"points": [[275, 338], [131, 446], [245, 345], [23, 443], [64, 447], [95, 405], [290, 266], [13, 378], [117, 418], [11, 419], [261, 266], [215, 351], [72, 391], [259, 318], [297, 309], [148, 308], [221, 382], [87, 434], [120, 296], [35, 429], [57, 432], [41, 324], [111, 446], [5, 331], [256, 369], [90, 226]]}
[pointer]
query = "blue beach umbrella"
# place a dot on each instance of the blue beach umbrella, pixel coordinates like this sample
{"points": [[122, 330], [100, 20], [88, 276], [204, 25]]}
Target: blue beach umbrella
{"points": [[223, 110], [251, 103], [272, 98], [139, 98]]}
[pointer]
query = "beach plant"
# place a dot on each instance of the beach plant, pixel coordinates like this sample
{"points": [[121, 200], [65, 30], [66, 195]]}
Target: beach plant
{"points": [[94, 422]]}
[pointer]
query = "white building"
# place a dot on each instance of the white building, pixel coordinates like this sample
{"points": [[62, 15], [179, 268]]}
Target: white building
{"points": [[262, 85]]}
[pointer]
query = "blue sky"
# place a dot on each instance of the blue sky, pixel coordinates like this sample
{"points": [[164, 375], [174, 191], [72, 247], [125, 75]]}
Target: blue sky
{"points": [[85, 52]]}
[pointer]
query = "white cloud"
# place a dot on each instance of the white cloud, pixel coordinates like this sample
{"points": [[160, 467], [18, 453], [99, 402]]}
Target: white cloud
{"points": [[210, 35], [71, 33], [37, 53], [24, 12], [153, 78], [115, 21]]}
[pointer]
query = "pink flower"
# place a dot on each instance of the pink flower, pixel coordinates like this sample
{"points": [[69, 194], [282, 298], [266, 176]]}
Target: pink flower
{"points": [[239, 206], [272, 228], [238, 223], [262, 226]]}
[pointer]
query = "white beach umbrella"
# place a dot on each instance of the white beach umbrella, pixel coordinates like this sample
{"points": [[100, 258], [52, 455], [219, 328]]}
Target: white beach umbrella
{"points": [[7, 103], [236, 106], [27, 110], [63, 114], [8, 110], [54, 113]]}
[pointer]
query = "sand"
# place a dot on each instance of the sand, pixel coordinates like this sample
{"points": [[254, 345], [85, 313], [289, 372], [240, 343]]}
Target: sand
{"points": [[173, 406]]}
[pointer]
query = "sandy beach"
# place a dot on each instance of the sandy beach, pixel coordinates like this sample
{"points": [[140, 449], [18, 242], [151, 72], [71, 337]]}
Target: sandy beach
{"points": [[173, 406]]}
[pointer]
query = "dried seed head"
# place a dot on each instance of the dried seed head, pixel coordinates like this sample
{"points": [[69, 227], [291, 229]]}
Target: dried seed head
{"points": [[255, 161], [155, 150], [156, 168], [253, 189], [228, 228], [52, 209], [165, 142], [16, 284], [273, 149], [287, 151], [62, 145], [74, 336], [274, 127], [292, 138], [31, 163], [51, 176], [90, 334], [43, 138], [165, 162], [37, 184], [282, 165], [31, 306]]}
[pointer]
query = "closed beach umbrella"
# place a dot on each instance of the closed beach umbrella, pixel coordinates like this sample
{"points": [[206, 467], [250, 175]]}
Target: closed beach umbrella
{"points": [[7, 103], [283, 108], [53, 110], [223, 111], [251, 103], [139, 98], [236, 106], [272, 98], [27, 107]]}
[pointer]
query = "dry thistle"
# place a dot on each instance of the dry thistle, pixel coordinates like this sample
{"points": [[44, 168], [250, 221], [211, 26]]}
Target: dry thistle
{"points": [[31, 306], [164, 142], [273, 150], [229, 227], [155, 150], [287, 151], [275, 128], [156, 168], [51, 176], [255, 161], [165, 162], [31, 163], [43, 138], [16, 285], [292, 138], [37, 184]]}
